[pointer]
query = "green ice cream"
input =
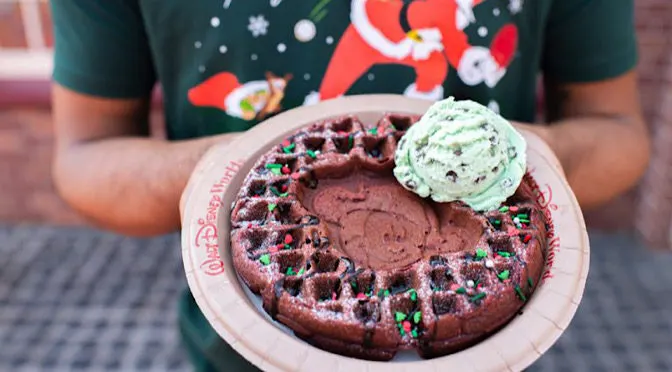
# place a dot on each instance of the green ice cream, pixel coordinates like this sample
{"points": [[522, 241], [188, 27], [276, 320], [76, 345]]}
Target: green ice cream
{"points": [[461, 150]]}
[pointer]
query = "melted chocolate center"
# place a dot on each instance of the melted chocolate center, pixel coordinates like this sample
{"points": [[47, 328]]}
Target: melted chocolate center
{"points": [[380, 225]]}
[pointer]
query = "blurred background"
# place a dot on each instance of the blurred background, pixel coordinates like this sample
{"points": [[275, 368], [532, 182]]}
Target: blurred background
{"points": [[72, 297]]}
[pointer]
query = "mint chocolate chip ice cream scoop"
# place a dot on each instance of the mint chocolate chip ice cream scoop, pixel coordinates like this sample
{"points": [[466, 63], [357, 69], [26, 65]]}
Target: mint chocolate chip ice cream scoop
{"points": [[461, 150]]}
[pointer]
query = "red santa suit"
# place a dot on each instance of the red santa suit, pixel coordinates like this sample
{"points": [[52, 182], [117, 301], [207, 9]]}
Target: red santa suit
{"points": [[425, 35]]}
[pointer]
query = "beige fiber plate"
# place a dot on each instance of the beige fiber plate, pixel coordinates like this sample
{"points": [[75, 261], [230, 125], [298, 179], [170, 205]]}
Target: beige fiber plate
{"points": [[231, 309]]}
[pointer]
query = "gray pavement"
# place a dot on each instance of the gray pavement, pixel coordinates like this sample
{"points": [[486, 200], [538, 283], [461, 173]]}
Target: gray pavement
{"points": [[80, 299]]}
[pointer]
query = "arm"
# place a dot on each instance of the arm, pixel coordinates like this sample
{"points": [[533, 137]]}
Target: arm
{"points": [[596, 126], [107, 169], [598, 133], [105, 165]]}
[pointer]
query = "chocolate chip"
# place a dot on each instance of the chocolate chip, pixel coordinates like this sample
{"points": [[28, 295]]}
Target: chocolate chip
{"points": [[479, 179], [495, 169], [512, 152], [458, 152], [452, 176], [411, 185]]}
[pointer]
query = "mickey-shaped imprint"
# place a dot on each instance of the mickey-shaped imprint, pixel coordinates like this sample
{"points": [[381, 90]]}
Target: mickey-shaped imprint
{"points": [[380, 225]]}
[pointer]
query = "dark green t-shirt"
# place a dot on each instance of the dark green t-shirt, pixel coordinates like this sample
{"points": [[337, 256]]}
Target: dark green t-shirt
{"points": [[224, 65]]}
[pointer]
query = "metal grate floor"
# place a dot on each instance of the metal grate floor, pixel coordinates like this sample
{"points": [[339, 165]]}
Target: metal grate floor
{"points": [[79, 299]]}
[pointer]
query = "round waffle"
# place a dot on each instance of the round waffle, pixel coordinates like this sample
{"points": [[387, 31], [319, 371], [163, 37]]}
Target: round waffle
{"points": [[356, 265]]}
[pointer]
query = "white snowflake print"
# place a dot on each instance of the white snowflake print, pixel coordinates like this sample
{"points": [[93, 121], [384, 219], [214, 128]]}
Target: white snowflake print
{"points": [[227, 4], [494, 106], [275, 3], [258, 25], [515, 6]]}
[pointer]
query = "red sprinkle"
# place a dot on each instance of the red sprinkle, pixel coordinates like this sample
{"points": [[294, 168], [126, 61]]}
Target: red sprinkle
{"points": [[527, 238], [513, 209], [407, 326], [283, 188], [361, 296], [333, 296], [512, 231], [296, 176], [479, 285], [273, 249], [285, 170], [286, 143], [288, 239]]}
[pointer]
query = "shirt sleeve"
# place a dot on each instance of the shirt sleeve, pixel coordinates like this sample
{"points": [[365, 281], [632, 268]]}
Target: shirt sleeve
{"points": [[101, 48], [589, 40]]}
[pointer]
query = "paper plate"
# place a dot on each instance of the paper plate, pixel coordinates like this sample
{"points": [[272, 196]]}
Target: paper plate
{"points": [[235, 313]]}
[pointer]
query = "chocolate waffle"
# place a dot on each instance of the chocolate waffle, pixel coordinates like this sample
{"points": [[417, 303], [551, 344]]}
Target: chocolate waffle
{"points": [[356, 265]]}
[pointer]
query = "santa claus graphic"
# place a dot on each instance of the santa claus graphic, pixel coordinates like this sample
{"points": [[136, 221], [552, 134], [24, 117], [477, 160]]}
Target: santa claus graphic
{"points": [[426, 35], [249, 101]]}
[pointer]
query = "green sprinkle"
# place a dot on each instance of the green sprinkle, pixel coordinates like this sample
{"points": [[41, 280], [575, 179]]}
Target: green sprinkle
{"points": [[289, 149], [496, 222], [311, 153], [381, 293], [520, 294], [399, 317], [275, 191], [290, 271], [369, 293], [287, 246], [530, 282], [414, 294], [504, 209], [373, 131], [461, 290], [265, 259], [273, 166], [504, 254], [350, 141], [524, 220], [276, 171], [477, 297], [480, 253], [271, 207], [417, 317], [386, 293], [522, 215], [393, 127], [353, 284], [414, 333], [301, 271], [283, 195], [503, 275], [401, 331]]}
